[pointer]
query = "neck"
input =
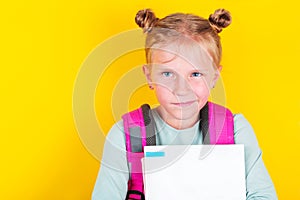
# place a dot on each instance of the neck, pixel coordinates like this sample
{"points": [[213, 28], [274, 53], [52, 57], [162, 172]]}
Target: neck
{"points": [[178, 123]]}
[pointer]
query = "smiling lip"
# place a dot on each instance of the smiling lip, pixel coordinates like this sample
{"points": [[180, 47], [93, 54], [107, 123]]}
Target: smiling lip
{"points": [[184, 104]]}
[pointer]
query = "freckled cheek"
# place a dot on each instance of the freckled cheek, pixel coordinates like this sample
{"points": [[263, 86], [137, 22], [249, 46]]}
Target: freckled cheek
{"points": [[162, 84], [201, 90], [163, 94], [162, 90]]}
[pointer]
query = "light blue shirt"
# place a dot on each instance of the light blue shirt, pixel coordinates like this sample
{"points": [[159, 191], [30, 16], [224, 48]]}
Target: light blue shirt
{"points": [[111, 183]]}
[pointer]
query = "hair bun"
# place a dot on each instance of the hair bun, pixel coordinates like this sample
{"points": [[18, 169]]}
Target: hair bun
{"points": [[145, 19], [220, 19]]}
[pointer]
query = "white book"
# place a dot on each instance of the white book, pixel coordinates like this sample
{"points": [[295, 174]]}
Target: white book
{"points": [[208, 172]]}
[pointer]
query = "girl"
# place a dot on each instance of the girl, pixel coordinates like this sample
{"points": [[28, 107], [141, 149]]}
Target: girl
{"points": [[183, 54]]}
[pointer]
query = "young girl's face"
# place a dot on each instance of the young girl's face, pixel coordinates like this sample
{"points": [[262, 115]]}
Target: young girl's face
{"points": [[182, 82]]}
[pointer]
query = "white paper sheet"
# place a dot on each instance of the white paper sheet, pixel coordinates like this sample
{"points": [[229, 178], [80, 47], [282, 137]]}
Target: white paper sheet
{"points": [[208, 172]]}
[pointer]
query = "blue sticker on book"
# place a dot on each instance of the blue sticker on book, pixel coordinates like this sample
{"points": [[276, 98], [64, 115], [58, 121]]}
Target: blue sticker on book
{"points": [[155, 154]]}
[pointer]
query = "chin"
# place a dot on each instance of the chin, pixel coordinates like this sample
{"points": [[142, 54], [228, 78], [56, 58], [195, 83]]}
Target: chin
{"points": [[185, 114]]}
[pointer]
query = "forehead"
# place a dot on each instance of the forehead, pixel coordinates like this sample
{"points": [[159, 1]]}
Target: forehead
{"points": [[189, 52]]}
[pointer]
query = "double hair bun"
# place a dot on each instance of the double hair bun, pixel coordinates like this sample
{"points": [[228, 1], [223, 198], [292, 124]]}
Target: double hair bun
{"points": [[220, 19], [145, 19]]}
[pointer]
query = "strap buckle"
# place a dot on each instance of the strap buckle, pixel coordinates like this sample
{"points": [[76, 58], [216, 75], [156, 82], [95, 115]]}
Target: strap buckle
{"points": [[135, 193]]}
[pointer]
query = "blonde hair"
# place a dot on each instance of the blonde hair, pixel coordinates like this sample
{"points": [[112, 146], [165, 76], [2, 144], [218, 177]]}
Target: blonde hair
{"points": [[172, 27]]}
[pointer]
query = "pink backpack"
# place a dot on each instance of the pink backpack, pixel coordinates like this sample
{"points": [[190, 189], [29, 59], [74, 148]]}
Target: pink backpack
{"points": [[216, 125]]}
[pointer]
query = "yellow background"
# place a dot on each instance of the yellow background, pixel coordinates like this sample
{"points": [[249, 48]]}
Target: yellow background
{"points": [[44, 43]]}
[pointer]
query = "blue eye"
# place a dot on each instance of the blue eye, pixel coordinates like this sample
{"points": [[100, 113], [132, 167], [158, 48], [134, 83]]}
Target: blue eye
{"points": [[167, 74], [196, 74]]}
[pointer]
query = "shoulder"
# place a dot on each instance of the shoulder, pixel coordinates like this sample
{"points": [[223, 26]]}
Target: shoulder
{"points": [[114, 151], [116, 129], [240, 123], [116, 136], [243, 131]]}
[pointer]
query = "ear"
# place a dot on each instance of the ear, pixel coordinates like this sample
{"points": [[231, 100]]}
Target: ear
{"points": [[147, 72], [217, 75]]}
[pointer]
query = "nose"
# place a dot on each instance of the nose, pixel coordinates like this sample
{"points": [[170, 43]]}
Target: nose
{"points": [[181, 86]]}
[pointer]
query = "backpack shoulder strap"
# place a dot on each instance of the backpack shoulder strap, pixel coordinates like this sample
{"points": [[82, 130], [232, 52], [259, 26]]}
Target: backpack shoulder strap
{"points": [[139, 128], [220, 120], [135, 132], [216, 124], [150, 125]]}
